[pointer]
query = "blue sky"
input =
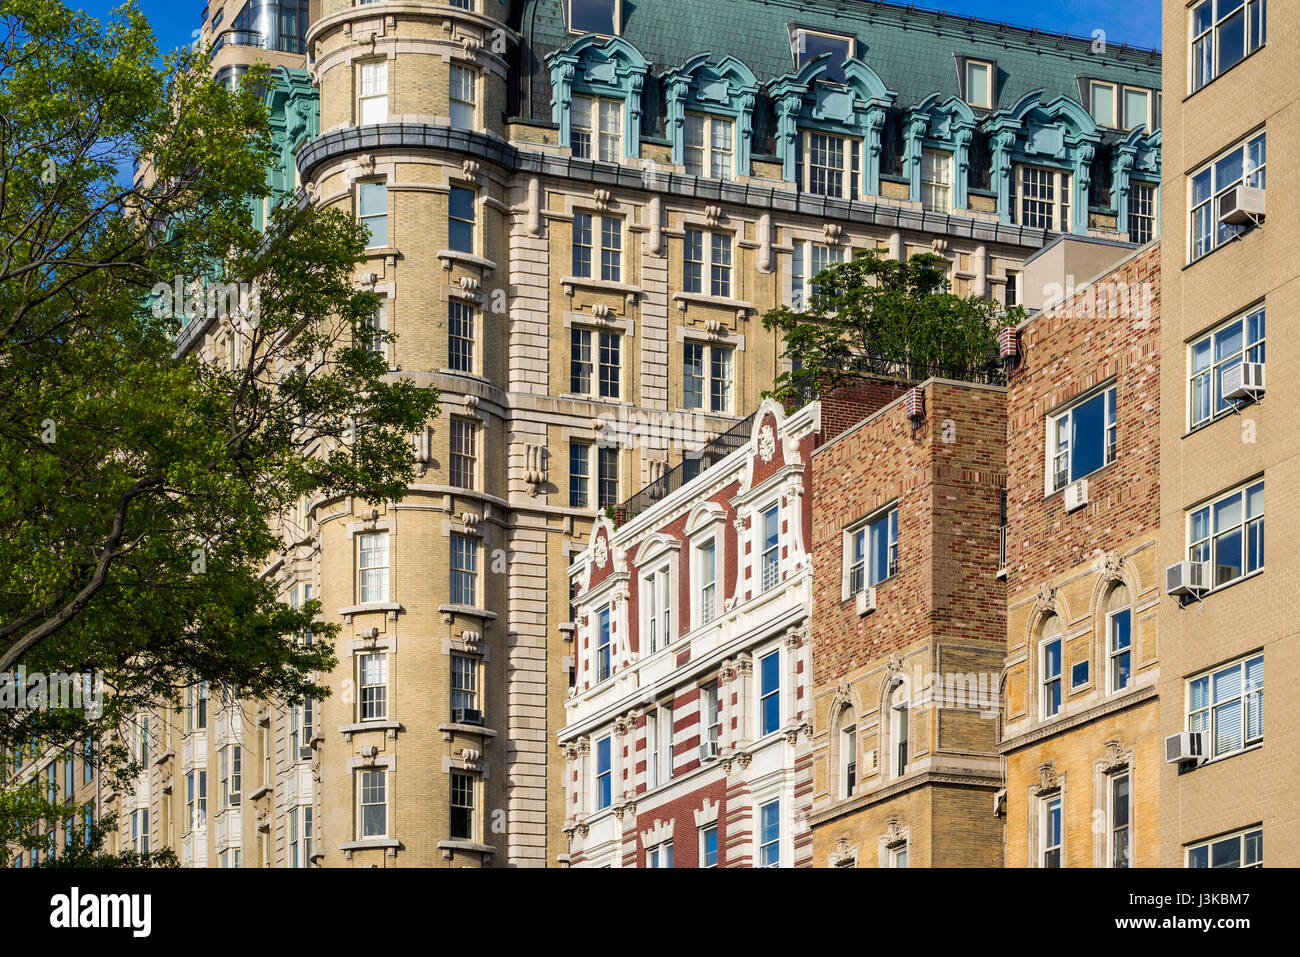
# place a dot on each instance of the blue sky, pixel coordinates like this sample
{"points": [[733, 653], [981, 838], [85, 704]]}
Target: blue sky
{"points": [[1136, 22]]}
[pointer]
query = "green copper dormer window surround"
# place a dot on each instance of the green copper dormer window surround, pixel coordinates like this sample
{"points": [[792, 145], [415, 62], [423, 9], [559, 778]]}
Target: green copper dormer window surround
{"points": [[711, 116], [835, 120], [1031, 137], [938, 126], [1135, 184], [611, 70], [294, 107]]}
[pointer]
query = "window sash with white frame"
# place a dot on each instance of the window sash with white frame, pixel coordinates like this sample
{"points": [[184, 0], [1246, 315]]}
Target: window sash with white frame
{"points": [[1226, 706], [463, 97], [769, 544], [462, 807], [706, 581], [1104, 98], [604, 766], [719, 262], [1051, 833], [461, 217], [372, 92], [291, 826], [1228, 533], [769, 693], [708, 144], [1119, 798], [604, 643], [898, 857], [464, 683], [462, 469], [1119, 643], [1137, 108], [230, 765], [372, 567], [609, 365], [606, 477], [611, 249], [979, 84], [377, 329], [372, 211], [873, 551], [832, 164], [936, 181], [579, 474], [1243, 164], [196, 800], [460, 337], [661, 855], [1050, 668], [709, 846], [1241, 339], [1142, 211], [900, 717], [372, 682], [711, 712], [848, 760], [1081, 439], [807, 45], [769, 834], [1223, 33], [814, 258], [464, 570], [1043, 196], [715, 378], [373, 799], [656, 599], [1244, 849], [607, 135]]}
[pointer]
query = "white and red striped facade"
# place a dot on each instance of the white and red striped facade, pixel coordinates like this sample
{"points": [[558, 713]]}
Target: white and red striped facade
{"points": [[721, 659]]}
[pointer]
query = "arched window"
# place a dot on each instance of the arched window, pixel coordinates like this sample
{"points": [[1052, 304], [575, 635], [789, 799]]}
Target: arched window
{"points": [[1119, 635], [848, 752], [1051, 654], [900, 731]]}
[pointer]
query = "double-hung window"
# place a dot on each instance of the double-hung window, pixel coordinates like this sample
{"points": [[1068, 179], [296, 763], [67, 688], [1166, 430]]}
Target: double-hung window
{"points": [[831, 165], [719, 263], [606, 477], [709, 146], [462, 461], [579, 475], [1051, 833], [707, 580], [291, 825], [807, 262], [604, 773], [770, 556], [374, 803], [372, 567], [376, 329], [709, 846], [1137, 108], [596, 128], [460, 220], [1245, 849], [1240, 340], [372, 210], [1081, 439], [979, 84], [873, 551], [661, 855], [604, 639], [769, 834], [462, 806], [464, 683], [1229, 534], [1142, 198], [611, 247], [656, 598], [1049, 663], [610, 363], [769, 692], [1120, 649], [711, 714], [1120, 810], [936, 181], [460, 336], [230, 777], [372, 91], [464, 570], [196, 799], [1044, 198], [706, 370], [606, 364], [463, 97], [372, 670], [1105, 103], [1226, 706], [1224, 32], [1244, 164]]}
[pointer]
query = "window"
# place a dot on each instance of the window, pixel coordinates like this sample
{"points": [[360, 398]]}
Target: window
{"points": [[715, 378], [229, 762], [708, 146], [300, 729], [580, 365], [656, 598], [1079, 674], [898, 856], [1224, 32], [832, 164], [769, 835], [1119, 820], [769, 693], [1243, 164], [460, 224], [372, 208], [1013, 287], [460, 337], [711, 713], [1137, 109], [579, 474], [719, 263], [611, 248], [848, 760], [606, 478], [307, 834], [462, 471], [372, 91], [464, 570], [979, 84], [593, 16], [1229, 534], [376, 329], [196, 800], [1227, 707], [70, 769], [140, 830], [1141, 212], [660, 856], [1081, 439], [1120, 627], [1236, 850], [900, 728], [1051, 854], [709, 846], [770, 558], [936, 181], [607, 133], [374, 803], [582, 246], [196, 714], [464, 683], [603, 638], [706, 578], [462, 807], [1104, 106], [1241, 339], [604, 774], [1044, 198], [1050, 665], [291, 826], [809, 45], [659, 742], [463, 96], [372, 567], [874, 552], [816, 257], [610, 362], [373, 671]]}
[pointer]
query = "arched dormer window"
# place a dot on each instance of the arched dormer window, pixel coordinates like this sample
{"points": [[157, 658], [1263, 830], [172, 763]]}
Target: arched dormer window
{"points": [[936, 155], [294, 107], [1135, 185], [711, 116], [1042, 162], [828, 134], [596, 97]]}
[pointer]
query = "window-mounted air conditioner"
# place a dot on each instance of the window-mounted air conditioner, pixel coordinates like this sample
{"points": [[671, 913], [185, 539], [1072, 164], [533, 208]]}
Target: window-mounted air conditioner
{"points": [[304, 752], [708, 751], [466, 716], [866, 601], [235, 799], [1187, 578], [1241, 206], [1184, 748], [1076, 494], [1244, 381]]}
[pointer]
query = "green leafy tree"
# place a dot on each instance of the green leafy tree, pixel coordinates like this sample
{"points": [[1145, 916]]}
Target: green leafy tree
{"points": [[139, 483], [879, 316]]}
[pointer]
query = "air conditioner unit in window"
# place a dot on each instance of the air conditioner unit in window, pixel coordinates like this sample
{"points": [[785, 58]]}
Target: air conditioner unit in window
{"points": [[1184, 748], [304, 752], [1244, 381], [1187, 578], [1076, 495], [466, 716], [866, 601], [708, 751], [234, 800], [1242, 206]]}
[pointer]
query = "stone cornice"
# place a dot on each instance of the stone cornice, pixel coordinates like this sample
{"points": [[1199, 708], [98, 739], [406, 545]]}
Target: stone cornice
{"points": [[1074, 721], [973, 779]]}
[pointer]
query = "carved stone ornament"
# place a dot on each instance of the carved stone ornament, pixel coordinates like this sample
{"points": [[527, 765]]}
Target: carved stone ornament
{"points": [[469, 169], [1048, 778], [895, 665], [832, 233], [602, 198], [1116, 758], [766, 443], [895, 835], [1112, 567], [1045, 600], [712, 214], [600, 552]]}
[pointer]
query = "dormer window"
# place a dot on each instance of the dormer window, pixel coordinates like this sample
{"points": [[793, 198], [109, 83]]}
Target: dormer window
{"points": [[810, 44], [594, 16], [979, 84]]}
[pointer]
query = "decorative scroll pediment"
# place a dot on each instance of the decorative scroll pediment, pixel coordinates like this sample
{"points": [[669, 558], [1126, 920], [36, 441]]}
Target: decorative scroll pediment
{"points": [[727, 88], [610, 67]]}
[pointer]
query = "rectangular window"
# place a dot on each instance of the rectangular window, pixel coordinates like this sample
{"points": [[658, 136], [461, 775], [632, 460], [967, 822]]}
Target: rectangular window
{"points": [[849, 760], [1244, 164], [593, 16], [372, 567], [716, 378], [720, 261], [230, 766], [606, 478], [660, 856], [460, 337], [140, 830], [712, 715], [611, 249], [579, 475], [832, 164], [1119, 820], [196, 799], [610, 362], [1104, 105], [460, 223], [769, 693], [307, 834], [1120, 627], [1224, 32], [1137, 109], [607, 134], [1239, 340], [372, 670], [769, 835], [372, 92], [464, 683], [377, 329], [898, 857], [1050, 663], [462, 807], [1052, 833], [604, 773], [582, 245], [816, 257], [1227, 707], [1044, 198], [708, 146], [463, 96], [873, 555], [1229, 534], [693, 261], [374, 803], [604, 636], [707, 584], [655, 599], [936, 181], [291, 826], [196, 715], [709, 847], [372, 210], [1236, 850], [770, 558], [979, 84], [1141, 212], [808, 45], [462, 462], [1081, 440], [464, 570], [580, 365]]}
